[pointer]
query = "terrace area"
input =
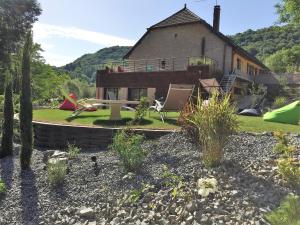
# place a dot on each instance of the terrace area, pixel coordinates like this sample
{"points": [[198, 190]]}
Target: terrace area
{"points": [[156, 65]]}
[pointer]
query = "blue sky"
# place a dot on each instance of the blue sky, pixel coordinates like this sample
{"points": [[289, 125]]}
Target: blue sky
{"points": [[68, 29]]}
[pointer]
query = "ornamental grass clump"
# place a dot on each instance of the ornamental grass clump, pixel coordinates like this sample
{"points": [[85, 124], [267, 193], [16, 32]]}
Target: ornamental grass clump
{"points": [[73, 151], [288, 213], [128, 146], [215, 121], [57, 171]]}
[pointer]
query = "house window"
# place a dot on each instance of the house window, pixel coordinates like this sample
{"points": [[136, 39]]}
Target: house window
{"points": [[111, 93], [250, 69], [175, 35], [163, 64], [135, 94], [238, 64], [203, 47]]}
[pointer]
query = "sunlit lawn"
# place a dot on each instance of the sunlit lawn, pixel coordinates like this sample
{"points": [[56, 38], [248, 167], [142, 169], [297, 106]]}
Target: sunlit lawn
{"points": [[101, 118]]}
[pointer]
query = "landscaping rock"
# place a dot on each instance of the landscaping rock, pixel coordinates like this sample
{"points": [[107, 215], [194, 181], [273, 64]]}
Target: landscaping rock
{"points": [[248, 186]]}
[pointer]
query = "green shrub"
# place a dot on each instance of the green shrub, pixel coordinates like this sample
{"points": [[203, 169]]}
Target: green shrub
{"points": [[128, 147], [215, 122], [2, 188], [57, 172], [288, 213], [282, 146], [73, 151], [279, 102], [141, 110], [289, 169]]}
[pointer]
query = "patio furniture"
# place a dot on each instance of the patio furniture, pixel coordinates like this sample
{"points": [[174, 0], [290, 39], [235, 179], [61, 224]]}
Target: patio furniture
{"points": [[178, 95], [115, 106]]}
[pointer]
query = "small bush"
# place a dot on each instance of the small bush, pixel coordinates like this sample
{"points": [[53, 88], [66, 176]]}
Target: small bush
{"points": [[282, 146], [279, 102], [288, 213], [141, 110], [57, 172], [73, 151], [289, 169], [215, 122], [128, 147], [2, 188]]}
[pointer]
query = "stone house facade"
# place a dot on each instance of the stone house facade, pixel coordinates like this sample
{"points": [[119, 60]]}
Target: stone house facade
{"points": [[178, 43]]}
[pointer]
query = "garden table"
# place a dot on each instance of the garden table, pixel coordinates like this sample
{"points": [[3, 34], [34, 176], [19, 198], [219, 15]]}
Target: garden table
{"points": [[115, 106]]}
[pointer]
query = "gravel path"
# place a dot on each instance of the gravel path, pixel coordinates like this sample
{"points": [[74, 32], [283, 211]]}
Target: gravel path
{"points": [[248, 186]]}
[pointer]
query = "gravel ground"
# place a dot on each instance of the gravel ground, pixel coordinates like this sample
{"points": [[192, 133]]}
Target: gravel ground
{"points": [[247, 180]]}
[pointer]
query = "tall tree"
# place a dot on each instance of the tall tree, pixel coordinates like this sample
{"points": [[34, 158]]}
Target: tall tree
{"points": [[8, 113], [16, 18], [26, 106], [289, 11]]}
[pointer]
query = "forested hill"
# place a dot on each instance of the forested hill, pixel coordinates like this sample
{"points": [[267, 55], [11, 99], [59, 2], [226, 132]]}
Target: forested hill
{"points": [[265, 42], [86, 66]]}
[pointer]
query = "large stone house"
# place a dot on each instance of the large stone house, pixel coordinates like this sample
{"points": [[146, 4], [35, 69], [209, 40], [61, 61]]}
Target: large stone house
{"points": [[182, 48]]}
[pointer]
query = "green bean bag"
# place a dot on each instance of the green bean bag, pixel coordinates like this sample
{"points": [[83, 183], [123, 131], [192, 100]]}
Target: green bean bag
{"points": [[288, 114]]}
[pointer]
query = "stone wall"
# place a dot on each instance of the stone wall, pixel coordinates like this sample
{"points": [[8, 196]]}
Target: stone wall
{"points": [[184, 41]]}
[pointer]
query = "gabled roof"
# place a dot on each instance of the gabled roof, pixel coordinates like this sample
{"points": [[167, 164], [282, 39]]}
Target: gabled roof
{"points": [[181, 17], [185, 16]]}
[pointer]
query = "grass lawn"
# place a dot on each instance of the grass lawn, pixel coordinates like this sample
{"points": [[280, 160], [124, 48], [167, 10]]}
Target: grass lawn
{"points": [[101, 118]]}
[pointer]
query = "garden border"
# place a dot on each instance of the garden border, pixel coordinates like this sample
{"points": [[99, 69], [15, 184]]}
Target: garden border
{"points": [[53, 135]]}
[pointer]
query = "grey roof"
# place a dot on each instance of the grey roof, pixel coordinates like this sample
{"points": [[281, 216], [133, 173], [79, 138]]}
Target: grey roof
{"points": [[181, 17]]}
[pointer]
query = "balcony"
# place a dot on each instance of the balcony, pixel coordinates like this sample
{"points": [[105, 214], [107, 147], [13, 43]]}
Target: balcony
{"points": [[245, 76], [155, 65]]}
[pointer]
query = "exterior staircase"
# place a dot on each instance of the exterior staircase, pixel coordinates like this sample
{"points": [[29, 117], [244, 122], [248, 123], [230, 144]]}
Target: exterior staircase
{"points": [[227, 82]]}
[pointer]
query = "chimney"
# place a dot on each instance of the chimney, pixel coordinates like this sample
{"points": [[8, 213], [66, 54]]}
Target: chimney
{"points": [[217, 14]]}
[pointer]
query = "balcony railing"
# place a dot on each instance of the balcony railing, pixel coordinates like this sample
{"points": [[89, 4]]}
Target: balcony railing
{"points": [[154, 65]]}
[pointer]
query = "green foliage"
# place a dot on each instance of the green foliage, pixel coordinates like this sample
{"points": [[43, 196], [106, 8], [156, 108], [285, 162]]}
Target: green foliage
{"points": [[73, 151], [86, 66], [258, 89], [136, 194], [288, 167], [289, 11], [173, 181], [279, 102], [57, 172], [215, 122], [8, 123], [288, 213], [285, 60], [265, 42], [128, 146], [141, 110], [282, 143], [26, 106], [16, 18], [2, 187], [80, 88]]}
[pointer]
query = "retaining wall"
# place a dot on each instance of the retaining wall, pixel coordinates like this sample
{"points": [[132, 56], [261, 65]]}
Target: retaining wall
{"points": [[58, 136]]}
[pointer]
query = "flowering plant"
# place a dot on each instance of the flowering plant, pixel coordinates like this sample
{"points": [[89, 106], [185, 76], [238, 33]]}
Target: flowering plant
{"points": [[206, 186]]}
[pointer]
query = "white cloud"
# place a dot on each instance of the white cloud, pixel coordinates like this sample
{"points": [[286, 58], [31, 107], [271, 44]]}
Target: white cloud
{"points": [[57, 59], [43, 31]]}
